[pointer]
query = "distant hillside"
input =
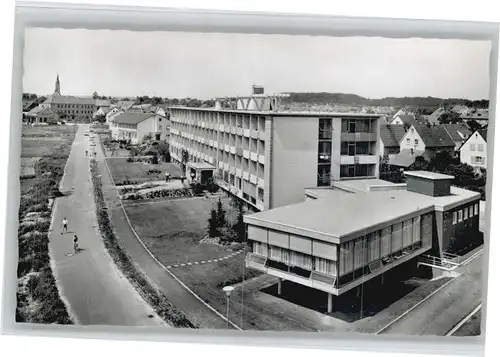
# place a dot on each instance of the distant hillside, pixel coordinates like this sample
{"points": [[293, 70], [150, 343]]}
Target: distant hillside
{"points": [[323, 98]]}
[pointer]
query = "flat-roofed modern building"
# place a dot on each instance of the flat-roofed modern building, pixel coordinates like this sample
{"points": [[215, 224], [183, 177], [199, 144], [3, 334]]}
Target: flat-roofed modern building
{"points": [[355, 230], [267, 157]]}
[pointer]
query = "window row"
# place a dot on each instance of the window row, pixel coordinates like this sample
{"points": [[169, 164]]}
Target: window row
{"points": [[465, 213], [295, 259], [480, 147]]}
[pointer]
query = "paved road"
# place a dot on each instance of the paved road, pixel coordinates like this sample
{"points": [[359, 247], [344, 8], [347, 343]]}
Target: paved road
{"points": [[196, 311], [446, 308], [89, 282]]}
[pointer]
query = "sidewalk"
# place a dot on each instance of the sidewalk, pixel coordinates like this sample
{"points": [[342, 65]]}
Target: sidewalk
{"points": [[89, 282], [196, 311]]}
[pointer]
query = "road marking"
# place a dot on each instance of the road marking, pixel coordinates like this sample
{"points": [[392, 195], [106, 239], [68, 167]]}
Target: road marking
{"points": [[420, 302], [163, 266], [463, 321]]}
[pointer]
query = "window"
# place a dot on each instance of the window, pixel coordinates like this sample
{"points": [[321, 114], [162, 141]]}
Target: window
{"points": [[471, 211], [408, 140], [300, 260], [466, 213], [416, 141], [454, 217], [472, 147], [460, 213], [279, 254], [260, 249], [476, 209], [480, 147], [326, 266]]}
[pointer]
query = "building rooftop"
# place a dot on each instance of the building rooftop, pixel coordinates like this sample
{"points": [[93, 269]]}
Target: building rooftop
{"points": [[391, 135], [281, 112], [341, 216], [405, 158], [434, 136], [429, 175], [132, 117], [457, 132]]}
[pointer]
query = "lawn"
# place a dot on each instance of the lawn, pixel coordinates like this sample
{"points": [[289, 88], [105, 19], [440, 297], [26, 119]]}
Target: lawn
{"points": [[172, 229], [121, 170]]}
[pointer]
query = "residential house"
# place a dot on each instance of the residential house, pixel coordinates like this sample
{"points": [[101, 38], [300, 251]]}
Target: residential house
{"points": [[113, 113], [125, 104], [390, 138], [458, 133], [102, 111], [433, 118], [480, 116], [473, 150], [40, 115], [407, 120], [135, 126], [427, 139], [461, 109]]}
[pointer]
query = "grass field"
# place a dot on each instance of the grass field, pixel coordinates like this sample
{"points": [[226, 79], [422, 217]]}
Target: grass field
{"points": [[171, 229], [38, 299], [121, 170]]}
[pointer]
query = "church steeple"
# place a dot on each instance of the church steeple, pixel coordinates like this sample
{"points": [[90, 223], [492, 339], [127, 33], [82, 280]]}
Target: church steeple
{"points": [[58, 86]]}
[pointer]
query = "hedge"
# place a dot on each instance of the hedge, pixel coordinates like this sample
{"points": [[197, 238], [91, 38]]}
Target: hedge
{"points": [[146, 289]]}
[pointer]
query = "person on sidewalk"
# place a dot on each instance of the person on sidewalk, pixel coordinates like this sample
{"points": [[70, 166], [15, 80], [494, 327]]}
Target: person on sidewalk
{"points": [[75, 243], [167, 177], [64, 226], [86, 153]]}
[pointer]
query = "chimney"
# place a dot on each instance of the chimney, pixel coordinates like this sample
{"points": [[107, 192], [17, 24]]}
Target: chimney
{"points": [[428, 183]]}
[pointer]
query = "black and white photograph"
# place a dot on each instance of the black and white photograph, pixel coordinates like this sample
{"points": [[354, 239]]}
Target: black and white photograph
{"points": [[253, 182]]}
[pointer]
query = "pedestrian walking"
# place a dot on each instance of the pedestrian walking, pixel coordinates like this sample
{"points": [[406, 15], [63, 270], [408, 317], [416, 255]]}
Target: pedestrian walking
{"points": [[167, 177], [86, 153], [64, 225], [75, 243]]}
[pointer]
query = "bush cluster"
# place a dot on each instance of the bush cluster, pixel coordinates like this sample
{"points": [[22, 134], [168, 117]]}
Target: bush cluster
{"points": [[152, 295], [172, 192], [38, 299]]}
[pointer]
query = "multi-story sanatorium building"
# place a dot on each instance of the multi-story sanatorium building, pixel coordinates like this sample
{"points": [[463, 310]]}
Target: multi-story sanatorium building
{"points": [[268, 157], [355, 230]]}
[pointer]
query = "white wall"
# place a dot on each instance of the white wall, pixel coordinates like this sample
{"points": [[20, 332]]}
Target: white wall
{"points": [[152, 126], [412, 135], [467, 154], [397, 121], [294, 159]]}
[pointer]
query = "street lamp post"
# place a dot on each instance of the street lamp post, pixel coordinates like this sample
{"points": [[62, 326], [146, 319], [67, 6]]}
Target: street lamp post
{"points": [[228, 290]]}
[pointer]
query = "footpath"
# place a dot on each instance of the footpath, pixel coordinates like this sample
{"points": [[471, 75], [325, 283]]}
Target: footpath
{"points": [[94, 291]]}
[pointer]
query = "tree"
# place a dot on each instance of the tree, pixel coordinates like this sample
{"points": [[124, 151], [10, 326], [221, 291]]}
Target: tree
{"points": [[221, 215], [450, 118], [185, 159], [239, 226], [212, 224], [95, 95], [101, 118], [473, 125]]}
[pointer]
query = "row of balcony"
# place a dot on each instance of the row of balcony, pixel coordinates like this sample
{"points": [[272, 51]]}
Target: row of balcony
{"points": [[250, 155], [241, 173], [249, 133], [259, 202]]}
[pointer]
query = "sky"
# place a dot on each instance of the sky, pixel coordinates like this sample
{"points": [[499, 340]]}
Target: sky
{"points": [[208, 65]]}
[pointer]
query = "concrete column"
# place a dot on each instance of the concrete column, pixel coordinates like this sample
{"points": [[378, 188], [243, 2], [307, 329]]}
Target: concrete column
{"points": [[329, 303], [279, 285], [382, 279], [358, 291]]}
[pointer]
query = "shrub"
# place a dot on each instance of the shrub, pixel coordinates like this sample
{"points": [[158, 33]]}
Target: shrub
{"points": [[153, 296]]}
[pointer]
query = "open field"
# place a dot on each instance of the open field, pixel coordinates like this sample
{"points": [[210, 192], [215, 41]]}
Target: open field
{"points": [[37, 295], [172, 229], [121, 170]]}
